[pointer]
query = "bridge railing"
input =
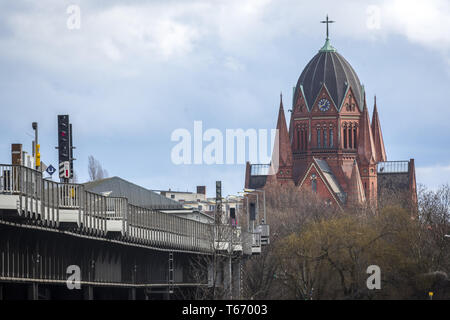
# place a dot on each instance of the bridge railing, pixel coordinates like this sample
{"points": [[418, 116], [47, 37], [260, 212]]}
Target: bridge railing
{"points": [[251, 242], [161, 229], [52, 203], [9, 179], [94, 213], [70, 195], [116, 208]]}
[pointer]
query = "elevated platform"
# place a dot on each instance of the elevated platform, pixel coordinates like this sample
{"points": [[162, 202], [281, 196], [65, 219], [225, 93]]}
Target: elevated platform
{"points": [[24, 192]]}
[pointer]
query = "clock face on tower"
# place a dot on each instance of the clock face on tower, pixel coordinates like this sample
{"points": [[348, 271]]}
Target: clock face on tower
{"points": [[324, 104]]}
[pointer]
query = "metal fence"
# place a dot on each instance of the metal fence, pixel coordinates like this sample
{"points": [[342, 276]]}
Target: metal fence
{"points": [[46, 201], [393, 167], [259, 169]]}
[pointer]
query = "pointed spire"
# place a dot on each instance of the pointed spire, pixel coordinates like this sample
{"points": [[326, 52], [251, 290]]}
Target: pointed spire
{"points": [[285, 151], [356, 194], [377, 135], [366, 145]]}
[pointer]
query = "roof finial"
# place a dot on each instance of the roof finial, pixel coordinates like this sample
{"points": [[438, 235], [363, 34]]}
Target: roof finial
{"points": [[327, 47], [281, 99], [375, 98], [327, 21]]}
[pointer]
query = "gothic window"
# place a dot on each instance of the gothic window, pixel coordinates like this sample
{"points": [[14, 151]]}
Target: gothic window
{"points": [[350, 137], [318, 137], [324, 137], [302, 138], [305, 137], [314, 182], [354, 137], [331, 137], [298, 138], [345, 137]]}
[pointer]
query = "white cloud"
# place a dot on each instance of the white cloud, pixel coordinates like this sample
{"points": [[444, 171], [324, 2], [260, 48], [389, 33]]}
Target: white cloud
{"points": [[433, 176], [233, 64], [138, 40], [422, 21]]}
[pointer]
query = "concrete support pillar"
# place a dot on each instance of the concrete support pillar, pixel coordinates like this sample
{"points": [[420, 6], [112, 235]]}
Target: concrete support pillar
{"points": [[132, 294], [33, 291], [237, 268], [88, 293], [227, 277]]}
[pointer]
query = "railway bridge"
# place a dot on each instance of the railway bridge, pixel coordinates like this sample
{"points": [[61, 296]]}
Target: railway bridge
{"points": [[61, 241]]}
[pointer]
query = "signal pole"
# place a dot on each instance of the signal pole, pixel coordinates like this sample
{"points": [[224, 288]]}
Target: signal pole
{"points": [[64, 148]]}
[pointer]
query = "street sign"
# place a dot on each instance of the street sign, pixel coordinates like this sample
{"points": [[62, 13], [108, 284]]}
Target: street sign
{"points": [[50, 170], [64, 169]]}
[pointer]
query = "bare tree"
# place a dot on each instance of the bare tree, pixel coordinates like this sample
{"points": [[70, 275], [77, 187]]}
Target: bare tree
{"points": [[212, 271], [96, 172], [320, 252]]}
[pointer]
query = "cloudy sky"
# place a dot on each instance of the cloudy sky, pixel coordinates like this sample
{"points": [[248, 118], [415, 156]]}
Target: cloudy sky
{"points": [[135, 71]]}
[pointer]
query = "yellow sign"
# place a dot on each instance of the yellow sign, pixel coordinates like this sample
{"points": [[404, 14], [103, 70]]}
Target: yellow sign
{"points": [[430, 294], [38, 156]]}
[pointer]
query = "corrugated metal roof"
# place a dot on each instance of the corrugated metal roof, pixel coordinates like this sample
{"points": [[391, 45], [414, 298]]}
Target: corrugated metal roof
{"points": [[135, 194]]}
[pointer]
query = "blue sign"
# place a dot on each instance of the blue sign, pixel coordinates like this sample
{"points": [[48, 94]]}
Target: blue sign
{"points": [[50, 170]]}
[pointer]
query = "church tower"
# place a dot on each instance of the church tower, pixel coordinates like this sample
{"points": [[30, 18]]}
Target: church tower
{"points": [[332, 148]]}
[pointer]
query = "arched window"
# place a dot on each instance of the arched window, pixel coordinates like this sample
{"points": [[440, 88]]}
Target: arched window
{"points": [[355, 134], [325, 133], [318, 137], [313, 182], [331, 137], [298, 138], [350, 137], [305, 137], [345, 137]]}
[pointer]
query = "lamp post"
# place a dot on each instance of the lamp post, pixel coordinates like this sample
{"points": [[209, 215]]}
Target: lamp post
{"points": [[36, 151]]}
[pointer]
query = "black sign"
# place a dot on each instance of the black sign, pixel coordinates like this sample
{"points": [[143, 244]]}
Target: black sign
{"points": [[63, 138]]}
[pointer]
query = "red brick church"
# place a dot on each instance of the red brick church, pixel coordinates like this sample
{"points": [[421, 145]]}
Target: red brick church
{"points": [[332, 146]]}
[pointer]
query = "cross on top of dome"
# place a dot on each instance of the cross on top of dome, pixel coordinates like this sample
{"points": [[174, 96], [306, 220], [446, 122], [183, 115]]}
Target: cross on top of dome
{"points": [[327, 21], [327, 47]]}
